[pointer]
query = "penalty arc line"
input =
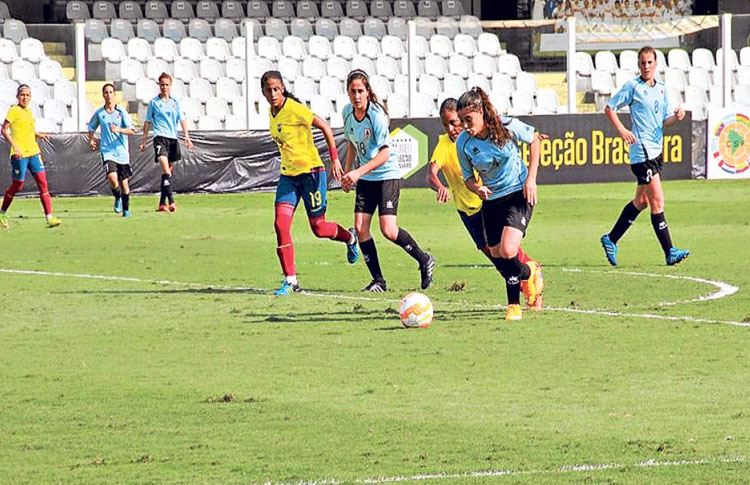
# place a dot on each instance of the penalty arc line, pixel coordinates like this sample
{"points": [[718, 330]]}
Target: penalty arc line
{"points": [[362, 298]]}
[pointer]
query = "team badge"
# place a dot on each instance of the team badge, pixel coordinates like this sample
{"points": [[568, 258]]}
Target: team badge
{"points": [[475, 150], [368, 133]]}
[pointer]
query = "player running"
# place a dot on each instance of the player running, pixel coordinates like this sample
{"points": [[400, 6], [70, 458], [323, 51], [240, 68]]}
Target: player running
{"points": [[468, 204], [25, 155], [303, 175], [164, 112], [115, 124], [487, 147], [650, 111], [378, 180]]}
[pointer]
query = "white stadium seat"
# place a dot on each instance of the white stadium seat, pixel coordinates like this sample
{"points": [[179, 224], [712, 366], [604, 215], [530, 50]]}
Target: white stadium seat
{"points": [[547, 99], [429, 85], [364, 63], [477, 80], [209, 123], [387, 67], [304, 88], [441, 45], [502, 83], [56, 110], [200, 89], [523, 102], [113, 50], [704, 58], [268, 47], [8, 51], [338, 67], [699, 77], [32, 50], [50, 71], [465, 45], [489, 44], [745, 56], [217, 107], [525, 81], [313, 68], [191, 48], [8, 89], [605, 61], [679, 59], [453, 86], [435, 66], [392, 46], [218, 49], [398, 106], [193, 108], [322, 106], [39, 90], [139, 49], [131, 70], [675, 78], [460, 65], [185, 69], [211, 69], [331, 87], [294, 47], [509, 64], [320, 47], [695, 101], [289, 68], [485, 65], [629, 60], [381, 86], [368, 46], [65, 91], [46, 125], [238, 47], [345, 47], [146, 89], [165, 49], [424, 106], [228, 89], [22, 71], [154, 68]]}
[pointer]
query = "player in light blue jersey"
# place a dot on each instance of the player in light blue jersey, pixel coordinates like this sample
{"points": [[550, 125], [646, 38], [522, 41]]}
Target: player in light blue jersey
{"points": [[650, 111], [375, 171], [165, 114], [115, 124], [508, 189]]}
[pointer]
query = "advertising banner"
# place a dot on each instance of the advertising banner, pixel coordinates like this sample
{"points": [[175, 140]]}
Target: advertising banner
{"points": [[728, 145]]}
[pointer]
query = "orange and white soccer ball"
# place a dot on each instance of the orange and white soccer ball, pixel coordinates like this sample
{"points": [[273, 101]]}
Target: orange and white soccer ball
{"points": [[416, 311]]}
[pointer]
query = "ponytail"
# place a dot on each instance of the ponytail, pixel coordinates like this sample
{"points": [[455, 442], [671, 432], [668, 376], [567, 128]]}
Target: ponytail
{"points": [[476, 99]]}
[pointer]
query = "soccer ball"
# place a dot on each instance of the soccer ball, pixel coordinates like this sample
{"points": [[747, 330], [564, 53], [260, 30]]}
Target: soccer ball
{"points": [[415, 311]]}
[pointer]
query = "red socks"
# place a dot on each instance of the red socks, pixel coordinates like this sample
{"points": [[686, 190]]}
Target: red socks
{"points": [[284, 248], [15, 187], [41, 182], [322, 228]]}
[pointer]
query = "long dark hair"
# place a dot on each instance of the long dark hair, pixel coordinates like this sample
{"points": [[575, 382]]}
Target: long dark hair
{"points": [[362, 76], [277, 75], [475, 99]]}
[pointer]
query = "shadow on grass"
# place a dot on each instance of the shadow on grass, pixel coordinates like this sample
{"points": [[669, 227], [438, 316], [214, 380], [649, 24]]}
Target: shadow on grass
{"points": [[169, 291]]}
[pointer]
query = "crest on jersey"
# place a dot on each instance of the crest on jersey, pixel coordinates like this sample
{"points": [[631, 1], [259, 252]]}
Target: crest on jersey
{"points": [[368, 133], [475, 150]]}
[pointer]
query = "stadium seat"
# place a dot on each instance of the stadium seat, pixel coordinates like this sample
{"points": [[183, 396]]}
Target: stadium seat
{"points": [[404, 9], [131, 70], [200, 89], [704, 58], [695, 101], [269, 48], [435, 66], [283, 10], [441, 45], [313, 68], [69, 125], [546, 99], [465, 45], [674, 95], [36, 110], [718, 77], [428, 8], [304, 88], [55, 109], [218, 49], [374, 27], [470, 25], [344, 47], [601, 82], [661, 62], [319, 47], [699, 77], [381, 86], [421, 47], [742, 94], [460, 65], [622, 76], [139, 49], [156, 11], [50, 71], [113, 50], [103, 10], [381, 9], [484, 65], [207, 10], [675, 78], [745, 56], [356, 9], [398, 28], [364, 63], [32, 50], [182, 10], [235, 123], [257, 28], [209, 123], [368, 46], [77, 11], [350, 28], [392, 46], [584, 69], [338, 67], [453, 87], [184, 69], [733, 61], [154, 68], [64, 91], [743, 77], [322, 106], [130, 10], [257, 9], [387, 67], [225, 29], [453, 8], [398, 105], [478, 81], [301, 28], [525, 81], [629, 60], [289, 69], [227, 88], [502, 83], [679, 59], [331, 88], [448, 27], [165, 49], [326, 28], [217, 108], [509, 64], [94, 31], [191, 49], [121, 29], [424, 27], [605, 61], [276, 28], [307, 9], [423, 106], [236, 68], [147, 29], [199, 29], [522, 103], [39, 90], [174, 29], [294, 47], [46, 125], [239, 47], [331, 9], [429, 85], [178, 90], [15, 30], [8, 88], [341, 101], [210, 69], [232, 9], [8, 51]]}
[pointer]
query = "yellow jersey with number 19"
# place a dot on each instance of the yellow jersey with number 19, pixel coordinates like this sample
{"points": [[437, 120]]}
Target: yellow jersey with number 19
{"points": [[446, 159], [291, 129]]}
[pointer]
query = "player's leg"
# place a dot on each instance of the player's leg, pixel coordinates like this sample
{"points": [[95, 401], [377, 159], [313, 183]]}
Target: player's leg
{"points": [[629, 213], [18, 166], [114, 184], [388, 210], [286, 201], [36, 167], [174, 156], [655, 195], [366, 201], [123, 175], [166, 182]]}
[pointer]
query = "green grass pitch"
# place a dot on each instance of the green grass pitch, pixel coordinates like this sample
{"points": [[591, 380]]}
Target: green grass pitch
{"points": [[181, 368]]}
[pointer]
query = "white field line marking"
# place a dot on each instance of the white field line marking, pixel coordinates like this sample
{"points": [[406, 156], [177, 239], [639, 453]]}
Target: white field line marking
{"points": [[364, 298], [501, 473], [723, 289]]}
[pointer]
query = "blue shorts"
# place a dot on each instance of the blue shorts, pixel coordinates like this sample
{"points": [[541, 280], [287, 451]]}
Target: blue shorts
{"points": [[311, 187], [19, 166], [475, 225]]}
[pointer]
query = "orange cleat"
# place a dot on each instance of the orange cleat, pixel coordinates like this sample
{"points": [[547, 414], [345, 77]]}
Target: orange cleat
{"points": [[162, 208], [533, 287]]}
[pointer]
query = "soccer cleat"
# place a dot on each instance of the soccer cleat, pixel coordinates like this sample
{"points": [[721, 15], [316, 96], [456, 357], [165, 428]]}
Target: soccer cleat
{"points": [[426, 271], [676, 256], [514, 313], [533, 287], [376, 286], [118, 205], [287, 289], [53, 222], [163, 208], [610, 249], [172, 207], [125, 213], [352, 251], [4, 223]]}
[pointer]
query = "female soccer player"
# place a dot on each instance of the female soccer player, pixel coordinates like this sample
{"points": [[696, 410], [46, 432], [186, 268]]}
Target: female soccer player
{"points": [[444, 158], [25, 155], [651, 111], [164, 112], [487, 147], [303, 175], [378, 179], [115, 123]]}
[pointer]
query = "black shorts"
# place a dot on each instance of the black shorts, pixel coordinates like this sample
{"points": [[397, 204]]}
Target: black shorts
{"points": [[124, 171], [378, 194], [512, 211], [475, 225], [167, 147], [645, 171]]}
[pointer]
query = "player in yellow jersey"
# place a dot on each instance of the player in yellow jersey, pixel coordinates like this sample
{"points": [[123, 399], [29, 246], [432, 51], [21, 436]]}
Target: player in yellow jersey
{"points": [[468, 204], [25, 155], [303, 176]]}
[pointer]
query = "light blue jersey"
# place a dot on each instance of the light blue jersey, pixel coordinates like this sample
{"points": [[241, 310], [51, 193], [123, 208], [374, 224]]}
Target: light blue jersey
{"points": [[164, 115], [500, 168], [649, 108], [114, 146], [369, 136]]}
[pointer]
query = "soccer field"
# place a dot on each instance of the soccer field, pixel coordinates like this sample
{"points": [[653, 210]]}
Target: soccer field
{"points": [[149, 350]]}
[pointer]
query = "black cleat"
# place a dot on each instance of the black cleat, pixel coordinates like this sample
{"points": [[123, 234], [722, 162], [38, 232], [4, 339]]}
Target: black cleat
{"points": [[376, 286], [427, 270]]}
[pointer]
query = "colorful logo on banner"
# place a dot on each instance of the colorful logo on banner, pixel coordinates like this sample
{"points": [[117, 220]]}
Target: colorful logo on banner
{"points": [[729, 143], [410, 146]]}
